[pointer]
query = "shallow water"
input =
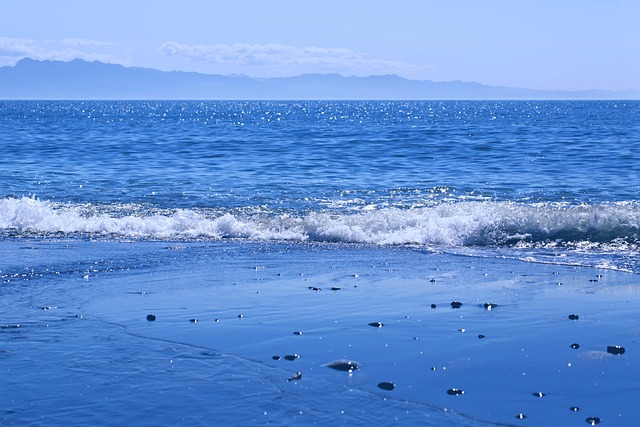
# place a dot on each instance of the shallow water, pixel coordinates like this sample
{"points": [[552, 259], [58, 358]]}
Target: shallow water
{"points": [[112, 362]]}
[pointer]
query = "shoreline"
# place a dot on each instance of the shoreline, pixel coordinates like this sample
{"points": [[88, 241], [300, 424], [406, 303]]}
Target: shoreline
{"points": [[498, 355]]}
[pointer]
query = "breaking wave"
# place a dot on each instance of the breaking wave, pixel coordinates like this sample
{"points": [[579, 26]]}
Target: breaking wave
{"points": [[449, 224]]}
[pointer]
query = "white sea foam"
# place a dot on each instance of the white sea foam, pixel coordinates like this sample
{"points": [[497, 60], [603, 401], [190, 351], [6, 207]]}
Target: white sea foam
{"points": [[462, 223]]}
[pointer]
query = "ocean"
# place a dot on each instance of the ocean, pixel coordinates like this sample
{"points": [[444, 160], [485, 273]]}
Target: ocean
{"points": [[534, 179], [102, 201]]}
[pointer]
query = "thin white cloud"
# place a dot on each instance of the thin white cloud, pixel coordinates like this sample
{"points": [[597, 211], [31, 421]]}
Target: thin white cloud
{"points": [[14, 49], [277, 57], [85, 42], [17, 47]]}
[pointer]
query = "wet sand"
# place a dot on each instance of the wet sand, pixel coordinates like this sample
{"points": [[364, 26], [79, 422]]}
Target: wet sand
{"points": [[282, 335]]}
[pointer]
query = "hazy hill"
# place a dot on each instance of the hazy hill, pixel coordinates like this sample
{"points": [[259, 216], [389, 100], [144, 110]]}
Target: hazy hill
{"points": [[78, 79]]}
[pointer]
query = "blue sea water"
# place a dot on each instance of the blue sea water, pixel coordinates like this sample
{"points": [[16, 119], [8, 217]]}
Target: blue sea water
{"points": [[542, 181], [237, 213]]}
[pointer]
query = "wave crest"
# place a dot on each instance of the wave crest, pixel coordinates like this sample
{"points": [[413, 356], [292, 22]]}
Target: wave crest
{"points": [[461, 223]]}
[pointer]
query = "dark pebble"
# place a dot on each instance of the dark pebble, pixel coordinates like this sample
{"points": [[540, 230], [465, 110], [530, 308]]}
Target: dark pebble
{"points": [[297, 376], [240, 316], [9, 326], [344, 365], [593, 420], [455, 392], [386, 386], [575, 346], [489, 306], [336, 288], [573, 317], [193, 320], [481, 336], [615, 349], [574, 409], [313, 288], [593, 280], [292, 356], [151, 317], [433, 306], [456, 304], [538, 394], [432, 280], [275, 357], [297, 333], [376, 324], [521, 416]]}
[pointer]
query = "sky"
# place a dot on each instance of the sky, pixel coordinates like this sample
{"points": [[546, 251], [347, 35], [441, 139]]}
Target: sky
{"points": [[534, 44]]}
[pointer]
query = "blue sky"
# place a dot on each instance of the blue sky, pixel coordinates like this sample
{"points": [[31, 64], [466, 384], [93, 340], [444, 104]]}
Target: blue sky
{"points": [[541, 44]]}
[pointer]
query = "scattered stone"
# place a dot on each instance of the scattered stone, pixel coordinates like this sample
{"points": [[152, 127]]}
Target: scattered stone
{"points": [[336, 288], [216, 320], [193, 320], [433, 368], [292, 357], [593, 420], [275, 357], [386, 386], [151, 317], [615, 349], [573, 317], [538, 394], [432, 280], [48, 308], [376, 324], [456, 304], [574, 409], [575, 346], [344, 365], [433, 306], [297, 376], [297, 333], [240, 316], [79, 316], [521, 416], [593, 280], [489, 306], [455, 392], [313, 288], [481, 336]]}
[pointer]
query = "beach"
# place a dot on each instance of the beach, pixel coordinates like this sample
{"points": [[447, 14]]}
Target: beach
{"points": [[245, 334]]}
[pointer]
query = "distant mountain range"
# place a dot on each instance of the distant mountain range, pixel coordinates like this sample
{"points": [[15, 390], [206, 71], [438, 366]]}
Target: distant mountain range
{"points": [[78, 79]]}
